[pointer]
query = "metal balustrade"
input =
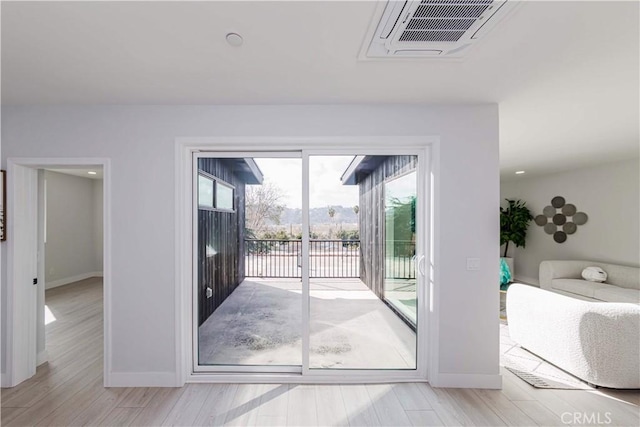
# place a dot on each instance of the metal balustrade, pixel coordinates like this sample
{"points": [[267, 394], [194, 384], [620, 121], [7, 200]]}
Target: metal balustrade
{"points": [[273, 258], [283, 258]]}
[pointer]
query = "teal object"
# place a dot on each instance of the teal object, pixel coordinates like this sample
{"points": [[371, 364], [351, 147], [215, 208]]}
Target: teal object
{"points": [[505, 274]]}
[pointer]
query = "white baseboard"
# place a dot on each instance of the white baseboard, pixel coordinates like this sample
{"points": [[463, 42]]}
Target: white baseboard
{"points": [[141, 379], [527, 280], [67, 280], [467, 381], [42, 357], [5, 380]]}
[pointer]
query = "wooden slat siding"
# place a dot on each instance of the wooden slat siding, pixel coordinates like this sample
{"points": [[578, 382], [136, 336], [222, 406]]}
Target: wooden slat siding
{"points": [[371, 218], [223, 231]]}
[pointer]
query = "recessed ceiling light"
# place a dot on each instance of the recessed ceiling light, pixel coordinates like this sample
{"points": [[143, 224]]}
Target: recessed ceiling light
{"points": [[234, 39], [519, 172], [92, 173]]}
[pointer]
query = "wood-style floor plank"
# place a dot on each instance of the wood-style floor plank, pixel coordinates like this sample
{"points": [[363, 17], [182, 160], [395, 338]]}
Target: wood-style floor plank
{"points": [[68, 391], [539, 413], [331, 408], [473, 407], [245, 405], [359, 406], [424, 418], [302, 408], [119, 416], [504, 408], [387, 405], [159, 407], [188, 406], [274, 405], [217, 406], [411, 397]]}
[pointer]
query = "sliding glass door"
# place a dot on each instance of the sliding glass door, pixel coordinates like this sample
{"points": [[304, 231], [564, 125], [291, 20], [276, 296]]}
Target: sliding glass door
{"points": [[307, 262], [249, 289]]}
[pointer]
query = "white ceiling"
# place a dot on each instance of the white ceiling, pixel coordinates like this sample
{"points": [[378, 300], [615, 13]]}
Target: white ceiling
{"points": [[565, 74]]}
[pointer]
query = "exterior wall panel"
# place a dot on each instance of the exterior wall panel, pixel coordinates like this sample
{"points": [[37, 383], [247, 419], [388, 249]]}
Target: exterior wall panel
{"points": [[220, 243], [371, 219]]}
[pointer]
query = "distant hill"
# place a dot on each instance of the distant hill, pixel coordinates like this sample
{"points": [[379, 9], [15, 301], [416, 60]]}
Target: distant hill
{"points": [[319, 215]]}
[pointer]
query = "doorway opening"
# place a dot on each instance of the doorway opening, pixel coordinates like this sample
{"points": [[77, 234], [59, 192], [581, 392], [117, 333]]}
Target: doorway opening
{"points": [[58, 268], [308, 262], [70, 226]]}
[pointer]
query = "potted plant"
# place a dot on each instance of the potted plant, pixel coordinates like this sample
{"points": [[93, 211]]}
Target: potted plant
{"points": [[514, 221]]}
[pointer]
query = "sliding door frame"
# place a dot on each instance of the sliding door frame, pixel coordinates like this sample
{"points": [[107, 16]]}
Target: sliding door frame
{"points": [[197, 368], [188, 150]]}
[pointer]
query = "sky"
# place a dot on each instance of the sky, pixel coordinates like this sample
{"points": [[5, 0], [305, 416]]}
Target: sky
{"points": [[325, 186]]}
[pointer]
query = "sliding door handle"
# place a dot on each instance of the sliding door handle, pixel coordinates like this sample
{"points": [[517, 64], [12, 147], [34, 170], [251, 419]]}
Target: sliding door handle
{"points": [[421, 261]]}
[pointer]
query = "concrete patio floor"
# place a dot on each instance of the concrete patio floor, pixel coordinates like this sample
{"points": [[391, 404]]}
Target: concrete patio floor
{"points": [[260, 324]]}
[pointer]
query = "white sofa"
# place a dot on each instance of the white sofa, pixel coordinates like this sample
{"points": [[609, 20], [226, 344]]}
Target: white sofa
{"points": [[598, 342], [565, 277], [590, 330]]}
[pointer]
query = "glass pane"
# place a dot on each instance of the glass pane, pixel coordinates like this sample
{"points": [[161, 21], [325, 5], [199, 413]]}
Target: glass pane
{"points": [[400, 245], [353, 326], [224, 196], [205, 191], [249, 279]]}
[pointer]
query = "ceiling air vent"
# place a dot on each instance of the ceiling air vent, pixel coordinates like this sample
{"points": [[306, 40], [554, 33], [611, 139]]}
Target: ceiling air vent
{"points": [[433, 28]]}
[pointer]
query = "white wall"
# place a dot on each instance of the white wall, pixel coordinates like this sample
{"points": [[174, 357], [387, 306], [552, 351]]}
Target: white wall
{"points": [[73, 228], [140, 141], [609, 194]]}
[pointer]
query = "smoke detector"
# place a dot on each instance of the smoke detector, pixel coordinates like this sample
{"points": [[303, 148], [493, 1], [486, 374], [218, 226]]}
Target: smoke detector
{"points": [[433, 28]]}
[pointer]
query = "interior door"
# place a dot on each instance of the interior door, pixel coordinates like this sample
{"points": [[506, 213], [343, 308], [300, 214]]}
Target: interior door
{"points": [[22, 239]]}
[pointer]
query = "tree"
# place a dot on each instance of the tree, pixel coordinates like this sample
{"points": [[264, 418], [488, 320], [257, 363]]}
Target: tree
{"points": [[332, 213], [263, 206]]}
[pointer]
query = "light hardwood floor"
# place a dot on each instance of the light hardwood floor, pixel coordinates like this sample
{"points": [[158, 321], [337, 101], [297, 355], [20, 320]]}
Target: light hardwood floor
{"points": [[68, 391]]}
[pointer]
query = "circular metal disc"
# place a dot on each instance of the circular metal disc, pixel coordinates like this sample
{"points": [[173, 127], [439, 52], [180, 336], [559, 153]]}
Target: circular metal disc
{"points": [[541, 220], [550, 228], [580, 218], [557, 202], [569, 209], [549, 211], [559, 219], [569, 228], [559, 236]]}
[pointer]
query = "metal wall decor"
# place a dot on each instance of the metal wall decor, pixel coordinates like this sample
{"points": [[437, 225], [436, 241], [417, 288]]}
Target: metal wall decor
{"points": [[560, 214]]}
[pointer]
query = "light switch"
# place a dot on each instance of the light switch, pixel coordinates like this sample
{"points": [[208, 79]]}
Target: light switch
{"points": [[473, 264]]}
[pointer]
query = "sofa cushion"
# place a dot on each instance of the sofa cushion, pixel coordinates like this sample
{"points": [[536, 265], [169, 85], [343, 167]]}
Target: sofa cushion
{"points": [[618, 294], [579, 286]]}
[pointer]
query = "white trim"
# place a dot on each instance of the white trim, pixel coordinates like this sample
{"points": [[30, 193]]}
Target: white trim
{"points": [[306, 283], [366, 377], [42, 357], [210, 146], [142, 379], [433, 345], [72, 279], [467, 381], [51, 162]]}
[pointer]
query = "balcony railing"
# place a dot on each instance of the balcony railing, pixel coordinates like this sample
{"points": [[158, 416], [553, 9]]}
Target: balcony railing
{"points": [[283, 258], [327, 259]]}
